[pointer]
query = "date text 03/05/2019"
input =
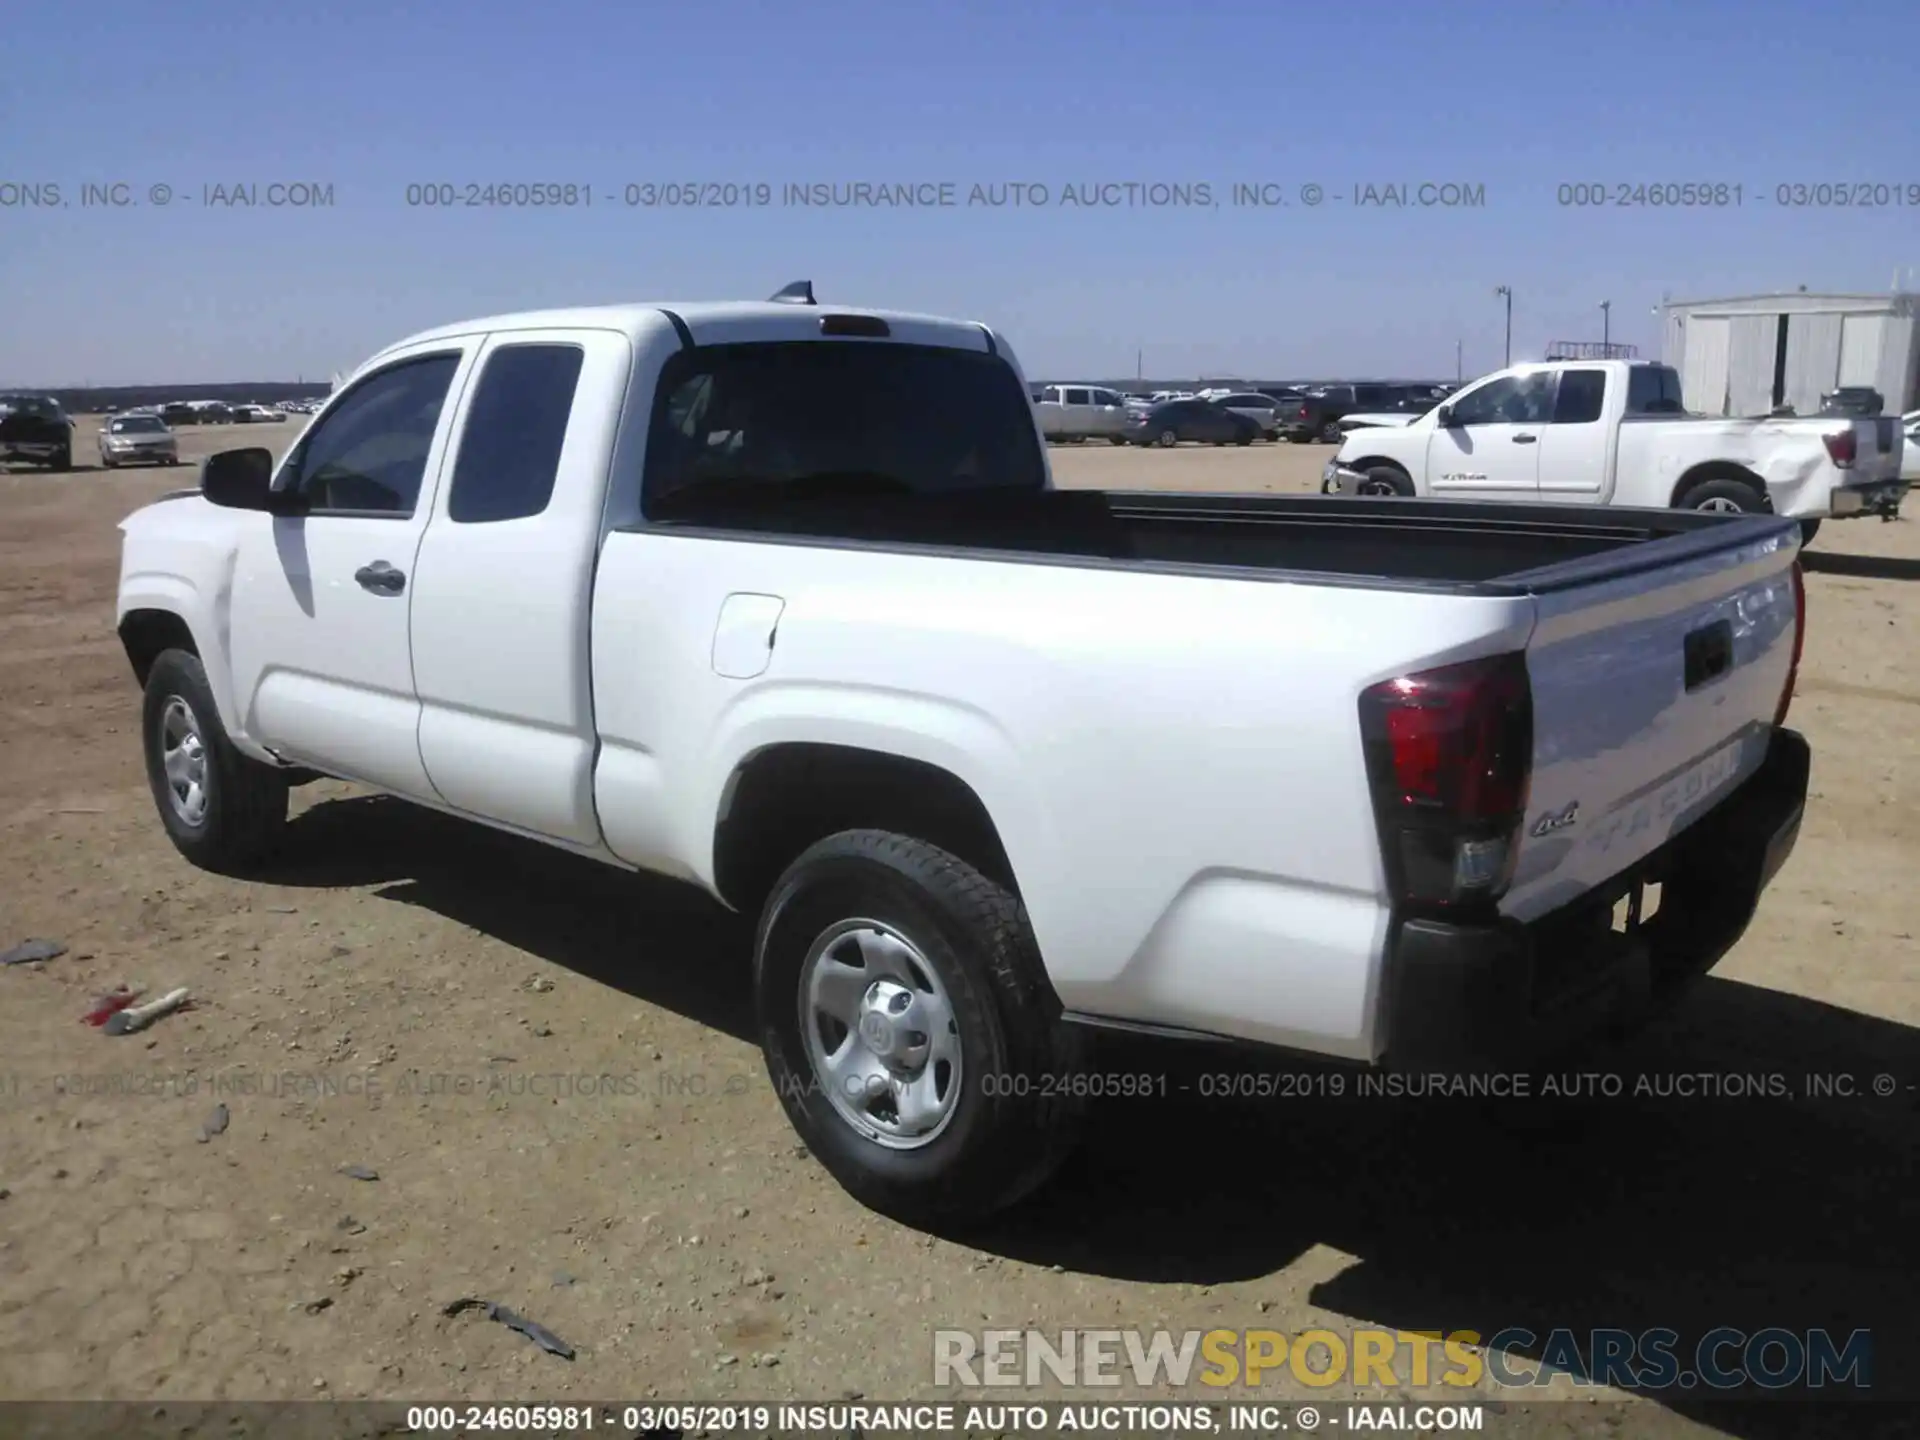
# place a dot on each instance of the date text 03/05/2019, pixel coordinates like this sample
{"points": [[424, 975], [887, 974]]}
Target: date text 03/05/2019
{"points": [[1733, 195], [1163, 1417]]}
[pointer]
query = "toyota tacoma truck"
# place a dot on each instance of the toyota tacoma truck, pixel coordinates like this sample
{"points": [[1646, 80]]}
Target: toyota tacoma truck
{"points": [[780, 600], [34, 429], [1613, 432]]}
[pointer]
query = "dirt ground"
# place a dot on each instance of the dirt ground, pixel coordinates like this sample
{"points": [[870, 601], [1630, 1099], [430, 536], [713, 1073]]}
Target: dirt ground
{"points": [[412, 996]]}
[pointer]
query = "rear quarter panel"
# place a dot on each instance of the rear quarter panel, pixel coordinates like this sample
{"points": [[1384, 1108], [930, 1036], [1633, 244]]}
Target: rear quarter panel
{"points": [[1173, 761]]}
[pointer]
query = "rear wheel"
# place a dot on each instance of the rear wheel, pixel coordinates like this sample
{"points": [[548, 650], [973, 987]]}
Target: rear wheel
{"points": [[62, 459], [1330, 433], [1244, 440], [909, 1029], [1167, 440], [1725, 497], [223, 810]]}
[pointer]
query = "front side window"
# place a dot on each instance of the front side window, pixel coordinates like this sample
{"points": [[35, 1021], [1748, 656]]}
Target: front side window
{"points": [[369, 454], [1510, 400]]}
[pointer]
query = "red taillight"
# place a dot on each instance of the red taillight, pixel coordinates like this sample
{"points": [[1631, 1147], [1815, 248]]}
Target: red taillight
{"points": [[1843, 447], [1799, 643], [1450, 758], [1303, 412]]}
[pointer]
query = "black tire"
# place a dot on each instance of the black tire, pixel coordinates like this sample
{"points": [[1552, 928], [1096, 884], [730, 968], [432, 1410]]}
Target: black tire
{"points": [[1808, 529], [994, 1147], [1385, 480], [62, 459], [245, 802], [1330, 433], [1167, 439], [1116, 439], [1300, 437], [1244, 440], [106, 461], [1725, 495]]}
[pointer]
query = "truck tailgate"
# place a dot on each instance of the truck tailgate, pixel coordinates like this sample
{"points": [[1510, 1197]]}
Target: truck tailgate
{"points": [[1654, 696]]}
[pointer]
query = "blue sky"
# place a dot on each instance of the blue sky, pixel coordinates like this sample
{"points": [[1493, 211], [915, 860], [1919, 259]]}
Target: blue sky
{"points": [[1517, 98]]}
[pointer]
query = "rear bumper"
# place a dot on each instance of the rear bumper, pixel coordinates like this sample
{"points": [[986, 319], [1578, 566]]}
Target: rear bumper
{"points": [[1881, 497], [1461, 996]]}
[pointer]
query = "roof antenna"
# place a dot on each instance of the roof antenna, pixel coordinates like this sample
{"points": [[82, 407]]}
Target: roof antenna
{"points": [[800, 292]]}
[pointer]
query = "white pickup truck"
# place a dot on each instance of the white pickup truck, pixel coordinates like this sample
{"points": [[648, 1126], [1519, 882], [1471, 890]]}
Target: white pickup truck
{"points": [[780, 600], [1613, 432]]}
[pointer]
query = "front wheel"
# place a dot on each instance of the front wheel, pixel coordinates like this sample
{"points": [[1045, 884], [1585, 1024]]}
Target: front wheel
{"points": [[1383, 480], [909, 1029], [62, 459], [223, 810]]}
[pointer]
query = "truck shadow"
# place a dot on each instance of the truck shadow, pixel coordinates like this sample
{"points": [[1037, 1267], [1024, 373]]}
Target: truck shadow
{"points": [[1781, 1201], [1865, 567], [1776, 1203], [666, 944]]}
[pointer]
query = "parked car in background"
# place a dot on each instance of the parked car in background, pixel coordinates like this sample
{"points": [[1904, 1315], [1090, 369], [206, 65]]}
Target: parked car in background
{"points": [[1169, 423], [1910, 452], [1606, 432], [137, 440], [256, 415], [1853, 400], [34, 429], [1261, 409], [179, 412], [1073, 413], [1318, 415]]}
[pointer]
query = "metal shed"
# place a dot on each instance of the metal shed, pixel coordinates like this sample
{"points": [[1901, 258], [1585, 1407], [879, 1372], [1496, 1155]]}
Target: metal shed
{"points": [[1747, 354]]}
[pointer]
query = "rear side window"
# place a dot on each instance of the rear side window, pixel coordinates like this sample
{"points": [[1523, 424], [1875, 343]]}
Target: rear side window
{"points": [[1653, 390], [510, 450], [787, 420], [1581, 395]]}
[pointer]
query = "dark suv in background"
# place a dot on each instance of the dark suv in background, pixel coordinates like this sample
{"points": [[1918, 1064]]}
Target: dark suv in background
{"points": [[1318, 413], [34, 428]]}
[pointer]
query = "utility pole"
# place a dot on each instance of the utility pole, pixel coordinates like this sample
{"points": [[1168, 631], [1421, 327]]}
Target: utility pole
{"points": [[1507, 291], [1606, 327]]}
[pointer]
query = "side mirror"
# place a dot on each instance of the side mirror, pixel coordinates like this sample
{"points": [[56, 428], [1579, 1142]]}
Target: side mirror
{"points": [[1443, 417], [243, 480]]}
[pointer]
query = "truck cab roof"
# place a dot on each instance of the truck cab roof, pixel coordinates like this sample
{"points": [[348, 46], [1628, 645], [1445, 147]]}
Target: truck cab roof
{"points": [[716, 323]]}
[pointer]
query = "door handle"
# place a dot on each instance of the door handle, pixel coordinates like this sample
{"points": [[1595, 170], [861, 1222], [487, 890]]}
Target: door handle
{"points": [[1525, 439], [381, 578]]}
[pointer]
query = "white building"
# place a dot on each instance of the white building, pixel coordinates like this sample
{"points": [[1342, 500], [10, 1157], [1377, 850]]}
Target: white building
{"points": [[1745, 355]]}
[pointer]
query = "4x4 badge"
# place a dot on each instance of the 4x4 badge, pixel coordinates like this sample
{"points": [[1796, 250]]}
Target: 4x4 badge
{"points": [[1556, 819]]}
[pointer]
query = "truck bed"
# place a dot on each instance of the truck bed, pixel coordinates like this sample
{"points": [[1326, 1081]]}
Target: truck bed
{"points": [[1402, 544]]}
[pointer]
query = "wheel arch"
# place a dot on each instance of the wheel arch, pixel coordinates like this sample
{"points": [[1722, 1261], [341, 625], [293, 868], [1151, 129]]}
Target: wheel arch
{"points": [[1711, 470], [784, 796]]}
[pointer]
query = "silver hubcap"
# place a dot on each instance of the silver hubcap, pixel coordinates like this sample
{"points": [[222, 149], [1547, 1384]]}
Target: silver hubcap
{"points": [[880, 1034], [1167, 437], [184, 757], [1720, 507]]}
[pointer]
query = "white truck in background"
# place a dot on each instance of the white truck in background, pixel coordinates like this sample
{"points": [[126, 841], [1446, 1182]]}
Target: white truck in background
{"points": [[781, 601], [1613, 432]]}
